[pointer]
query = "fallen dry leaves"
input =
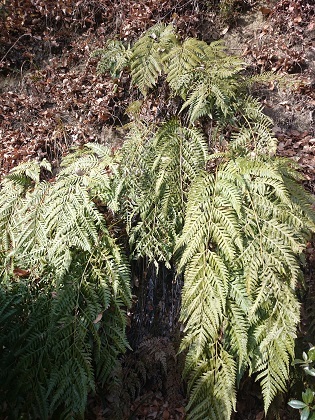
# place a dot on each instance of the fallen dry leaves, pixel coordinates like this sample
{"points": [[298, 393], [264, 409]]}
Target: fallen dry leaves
{"points": [[60, 105], [300, 146], [50, 95], [155, 407], [285, 41]]}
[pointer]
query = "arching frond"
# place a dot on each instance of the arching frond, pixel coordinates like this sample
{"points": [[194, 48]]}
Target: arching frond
{"points": [[167, 162], [212, 384], [67, 287], [147, 54], [245, 295]]}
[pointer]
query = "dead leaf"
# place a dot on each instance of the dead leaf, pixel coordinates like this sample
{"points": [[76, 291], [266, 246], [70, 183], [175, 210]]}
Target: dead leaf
{"points": [[225, 30], [19, 272], [166, 415], [260, 415], [180, 410], [298, 19], [265, 11], [98, 318]]}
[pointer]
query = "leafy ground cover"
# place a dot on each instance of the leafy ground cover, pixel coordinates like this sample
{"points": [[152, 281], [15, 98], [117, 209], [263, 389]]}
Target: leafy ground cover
{"points": [[53, 98]]}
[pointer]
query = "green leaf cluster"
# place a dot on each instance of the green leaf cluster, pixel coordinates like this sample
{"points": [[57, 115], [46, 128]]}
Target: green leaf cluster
{"points": [[307, 405]]}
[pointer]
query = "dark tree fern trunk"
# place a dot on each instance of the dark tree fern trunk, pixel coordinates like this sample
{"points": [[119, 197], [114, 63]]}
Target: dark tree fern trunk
{"points": [[154, 333], [157, 300]]}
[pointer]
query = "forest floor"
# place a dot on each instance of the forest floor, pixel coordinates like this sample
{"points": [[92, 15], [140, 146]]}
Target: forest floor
{"points": [[51, 98]]}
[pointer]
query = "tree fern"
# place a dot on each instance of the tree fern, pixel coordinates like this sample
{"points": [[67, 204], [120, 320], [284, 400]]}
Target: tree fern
{"points": [[235, 230]]}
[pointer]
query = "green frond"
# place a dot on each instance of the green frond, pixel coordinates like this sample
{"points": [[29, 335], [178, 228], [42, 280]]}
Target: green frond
{"points": [[15, 186], [181, 63], [213, 86], [69, 320], [211, 218], [254, 135], [114, 57], [204, 298], [217, 49], [147, 54], [30, 230], [237, 334], [225, 383], [204, 76], [199, 102], [237, 214], [212, 389], [167, 161], [276, 350], [27, 172], [134, 172], [266, 78]]}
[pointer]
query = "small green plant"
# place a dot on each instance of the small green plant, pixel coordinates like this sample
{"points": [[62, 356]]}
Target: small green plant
{"points": [[307, 405]]}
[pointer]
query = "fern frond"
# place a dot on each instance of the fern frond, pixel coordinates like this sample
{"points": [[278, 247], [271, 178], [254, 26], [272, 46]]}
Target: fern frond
{"points": [[237, 334], [210, 399], [169, 160], [211, 218], [70, 322], [199, 102], [276, 350], [181, 63], [113, 58], [147, 54], [254, 135], [214, 85], [204, 298], [27, 172], [237, 214], [235, 229]]}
